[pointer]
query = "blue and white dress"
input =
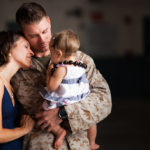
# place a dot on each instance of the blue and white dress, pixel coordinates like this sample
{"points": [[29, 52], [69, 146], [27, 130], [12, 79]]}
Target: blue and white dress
{"points": [[74, 88]]}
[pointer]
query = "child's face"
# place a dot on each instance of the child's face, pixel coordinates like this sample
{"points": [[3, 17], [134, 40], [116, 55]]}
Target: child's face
{"points": [[55, 57]]}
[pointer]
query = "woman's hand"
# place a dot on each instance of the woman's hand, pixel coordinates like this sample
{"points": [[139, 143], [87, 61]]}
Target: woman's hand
{"points": [[27, 123]]}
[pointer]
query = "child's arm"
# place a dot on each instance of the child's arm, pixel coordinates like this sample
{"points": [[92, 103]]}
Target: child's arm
{"points": [[54, 80], [48, 75]]}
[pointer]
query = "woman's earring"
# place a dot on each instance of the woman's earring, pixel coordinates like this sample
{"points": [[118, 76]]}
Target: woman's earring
{"points": [[9, 55]]}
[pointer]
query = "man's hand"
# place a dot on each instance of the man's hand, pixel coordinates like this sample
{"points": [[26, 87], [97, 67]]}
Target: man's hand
{"points": [[47, 119]]}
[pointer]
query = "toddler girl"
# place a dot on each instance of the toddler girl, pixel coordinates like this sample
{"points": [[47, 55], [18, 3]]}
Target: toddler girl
{"points": [[66, 80]]}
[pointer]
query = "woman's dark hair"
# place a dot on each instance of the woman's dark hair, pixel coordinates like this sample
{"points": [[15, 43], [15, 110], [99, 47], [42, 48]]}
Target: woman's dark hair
{"points": [[7, 41], [29, 13]]}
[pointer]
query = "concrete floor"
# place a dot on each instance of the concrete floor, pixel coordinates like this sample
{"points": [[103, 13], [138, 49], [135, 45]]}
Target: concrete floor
{"points": [[127, 127]]}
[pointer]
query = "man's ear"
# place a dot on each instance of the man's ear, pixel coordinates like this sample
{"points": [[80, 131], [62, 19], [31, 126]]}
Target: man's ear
{"points": [[48, 19]]}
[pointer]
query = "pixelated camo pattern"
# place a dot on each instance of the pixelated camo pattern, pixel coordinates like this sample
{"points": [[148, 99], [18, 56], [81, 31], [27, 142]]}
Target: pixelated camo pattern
{"points": [[27, 84]]}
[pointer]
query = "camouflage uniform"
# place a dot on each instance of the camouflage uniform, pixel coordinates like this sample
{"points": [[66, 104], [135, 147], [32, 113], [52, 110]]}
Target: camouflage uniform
{"points": [[82, 115]]}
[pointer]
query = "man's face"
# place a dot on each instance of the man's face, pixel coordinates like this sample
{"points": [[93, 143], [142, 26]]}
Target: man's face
{"points": [[39, 34]]}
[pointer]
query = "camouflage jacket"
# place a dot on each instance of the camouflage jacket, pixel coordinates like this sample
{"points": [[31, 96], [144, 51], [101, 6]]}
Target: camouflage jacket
{"points": [[82, 115]]}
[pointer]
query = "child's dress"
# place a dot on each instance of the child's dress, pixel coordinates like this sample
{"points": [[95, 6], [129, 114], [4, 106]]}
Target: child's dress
{"points": [[74, 88]]}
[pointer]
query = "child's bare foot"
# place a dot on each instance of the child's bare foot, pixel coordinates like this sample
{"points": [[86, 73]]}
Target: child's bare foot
{"points": [[59, 138], [94, 146]]}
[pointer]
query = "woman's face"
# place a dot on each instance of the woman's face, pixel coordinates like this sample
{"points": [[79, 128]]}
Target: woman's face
{"points": [[21, 53]]}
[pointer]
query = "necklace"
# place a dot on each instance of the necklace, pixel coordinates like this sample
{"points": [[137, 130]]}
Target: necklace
{"points": [[10, 90], [70, 62]]}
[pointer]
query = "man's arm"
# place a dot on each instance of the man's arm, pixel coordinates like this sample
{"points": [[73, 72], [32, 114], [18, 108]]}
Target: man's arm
{"points": [[96, 106], [82, 115]]}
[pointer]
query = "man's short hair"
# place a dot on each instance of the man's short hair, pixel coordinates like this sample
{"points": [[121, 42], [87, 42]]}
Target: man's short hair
{"points": [[29, 13]]}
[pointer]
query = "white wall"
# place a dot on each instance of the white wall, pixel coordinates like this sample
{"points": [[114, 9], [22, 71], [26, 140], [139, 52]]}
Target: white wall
{"points": [[112, 38]]}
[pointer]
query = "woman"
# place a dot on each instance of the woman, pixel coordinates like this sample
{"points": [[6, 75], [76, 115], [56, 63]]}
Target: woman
{"points": [[15, 53]]}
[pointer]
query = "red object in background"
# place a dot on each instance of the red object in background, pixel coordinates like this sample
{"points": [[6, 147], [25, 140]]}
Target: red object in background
{"points": [[96, 17]]}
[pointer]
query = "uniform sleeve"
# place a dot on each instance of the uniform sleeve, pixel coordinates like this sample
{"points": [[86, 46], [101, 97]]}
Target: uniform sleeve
{"points": [[96, 106]]}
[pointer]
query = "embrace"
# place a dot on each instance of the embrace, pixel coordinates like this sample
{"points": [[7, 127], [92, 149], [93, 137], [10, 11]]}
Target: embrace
{"points": [[51, 94]]}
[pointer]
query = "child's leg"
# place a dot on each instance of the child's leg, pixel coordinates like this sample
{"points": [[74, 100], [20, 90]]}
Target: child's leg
{"points": [[91, 133], [60, 135]]}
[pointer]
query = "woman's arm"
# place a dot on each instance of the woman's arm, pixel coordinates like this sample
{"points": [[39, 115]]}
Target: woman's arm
{"points": [[7, 135], [54, 80]]}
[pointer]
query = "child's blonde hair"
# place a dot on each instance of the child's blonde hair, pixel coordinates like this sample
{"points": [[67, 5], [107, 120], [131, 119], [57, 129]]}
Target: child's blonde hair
{"points": [[67, 41]]}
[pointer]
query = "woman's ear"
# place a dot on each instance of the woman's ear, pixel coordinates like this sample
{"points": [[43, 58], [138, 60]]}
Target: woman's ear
{"points": [[9, 55]]}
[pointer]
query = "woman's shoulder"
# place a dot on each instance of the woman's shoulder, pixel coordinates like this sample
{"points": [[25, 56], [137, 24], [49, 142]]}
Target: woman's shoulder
{"points": [[1, 81], [1, 88]]}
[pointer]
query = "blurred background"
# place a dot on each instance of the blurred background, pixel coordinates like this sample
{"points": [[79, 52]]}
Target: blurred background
{"points": [[116, 33]]}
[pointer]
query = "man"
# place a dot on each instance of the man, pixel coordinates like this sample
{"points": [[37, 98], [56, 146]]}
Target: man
{"points": [[77, 117]]}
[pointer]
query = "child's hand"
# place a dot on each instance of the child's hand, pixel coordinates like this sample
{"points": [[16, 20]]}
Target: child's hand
{"points": [[50, 66]]}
